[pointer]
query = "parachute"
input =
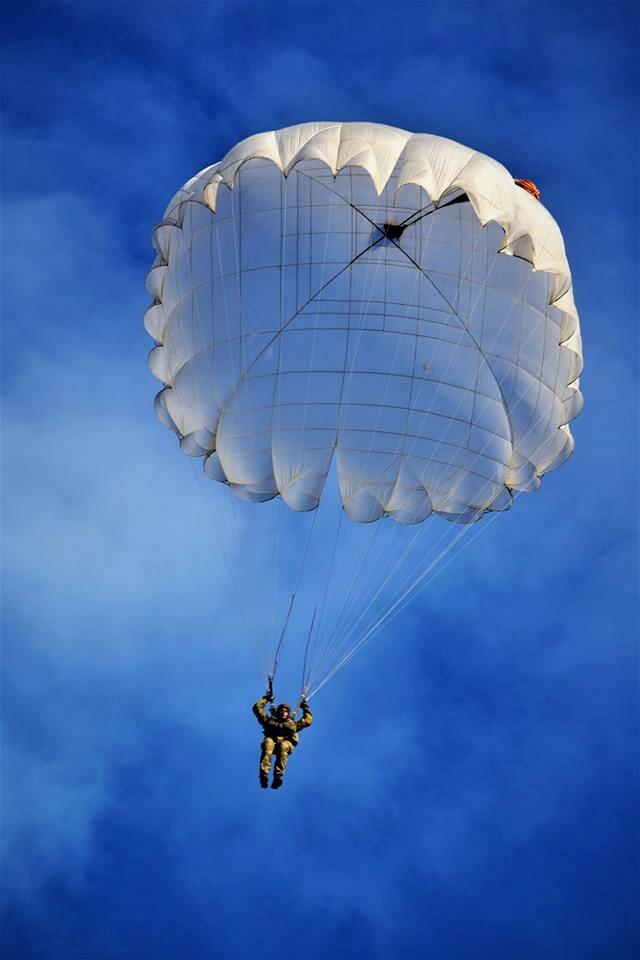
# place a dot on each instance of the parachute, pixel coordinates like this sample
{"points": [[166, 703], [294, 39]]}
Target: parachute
{"points": [[367, 325]]}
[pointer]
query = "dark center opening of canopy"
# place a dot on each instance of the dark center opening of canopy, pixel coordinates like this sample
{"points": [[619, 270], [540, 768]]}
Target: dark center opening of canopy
{"points": [[393, 231]]}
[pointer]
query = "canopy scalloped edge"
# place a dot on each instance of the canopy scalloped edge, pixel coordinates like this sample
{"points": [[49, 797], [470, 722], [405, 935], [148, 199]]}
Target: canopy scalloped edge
{"points": [[435, 164]]}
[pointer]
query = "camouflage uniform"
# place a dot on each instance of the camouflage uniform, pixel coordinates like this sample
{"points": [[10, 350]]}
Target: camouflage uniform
{"points": [[280, 736]]}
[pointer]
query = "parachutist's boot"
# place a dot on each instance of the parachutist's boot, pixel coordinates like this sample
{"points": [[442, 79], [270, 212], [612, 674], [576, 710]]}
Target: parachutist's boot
{"points": [[277, 782], [264, 780]]}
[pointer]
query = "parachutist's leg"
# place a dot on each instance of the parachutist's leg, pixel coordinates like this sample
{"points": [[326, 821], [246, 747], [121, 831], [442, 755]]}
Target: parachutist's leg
{"points": [[283, 750], [266, 756]]}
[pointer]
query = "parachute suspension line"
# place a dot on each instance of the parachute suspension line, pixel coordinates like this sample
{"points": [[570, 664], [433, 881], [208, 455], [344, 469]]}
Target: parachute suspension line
{"points": [[420, 583], [386, 617], [275, 410], [357, 588], [418, 536], [370, 281], [443, 553], [305, 677], [344, 642], [298, 311], [352, 582], [277, 404], [478, 513], [372, 269], [275, 578], [405, 599], [330, 573], [288, 322], [335, 641], [276, 655], [372, 272], [331, 567], [400, 599], [405, 586], [400, 455], [305, 551], [329, 649], [385, 580], [408, 599], [449, 560]]}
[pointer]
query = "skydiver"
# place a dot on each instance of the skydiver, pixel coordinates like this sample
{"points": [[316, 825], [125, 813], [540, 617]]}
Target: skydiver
{"points": [[280, 736]]}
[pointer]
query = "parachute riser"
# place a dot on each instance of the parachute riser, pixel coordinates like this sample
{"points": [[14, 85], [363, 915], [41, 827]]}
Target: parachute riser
{"points": [[276, 656]]}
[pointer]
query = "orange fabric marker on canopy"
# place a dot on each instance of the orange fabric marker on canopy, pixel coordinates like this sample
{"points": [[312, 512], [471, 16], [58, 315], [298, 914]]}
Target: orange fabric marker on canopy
{"points": [[530, 187]]}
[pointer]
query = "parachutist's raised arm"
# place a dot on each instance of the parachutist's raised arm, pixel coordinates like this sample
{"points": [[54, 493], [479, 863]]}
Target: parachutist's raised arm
{"points": [[307, 717], [258, 708]]}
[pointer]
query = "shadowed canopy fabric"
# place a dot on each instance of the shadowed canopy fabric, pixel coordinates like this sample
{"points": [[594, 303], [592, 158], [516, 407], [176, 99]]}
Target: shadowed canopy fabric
{"points": [[437, 361]]}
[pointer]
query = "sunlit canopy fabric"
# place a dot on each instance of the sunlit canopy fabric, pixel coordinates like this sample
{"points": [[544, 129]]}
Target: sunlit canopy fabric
{"points": [[438, 366]]}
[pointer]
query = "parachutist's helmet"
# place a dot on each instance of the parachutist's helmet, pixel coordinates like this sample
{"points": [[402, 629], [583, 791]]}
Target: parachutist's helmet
{"points": [[282, 707]]}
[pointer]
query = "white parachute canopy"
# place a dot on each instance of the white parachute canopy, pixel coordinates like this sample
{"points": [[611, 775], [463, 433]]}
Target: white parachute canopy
{"points": [[384, 306]]}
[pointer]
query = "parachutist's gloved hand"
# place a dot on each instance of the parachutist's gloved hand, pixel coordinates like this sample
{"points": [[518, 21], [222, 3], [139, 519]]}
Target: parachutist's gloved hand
{"points": [[304, 703], [269, 695]]}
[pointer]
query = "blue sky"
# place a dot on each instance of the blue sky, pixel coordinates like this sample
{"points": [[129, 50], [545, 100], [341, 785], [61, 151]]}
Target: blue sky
{"points": [[470, 786]]}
